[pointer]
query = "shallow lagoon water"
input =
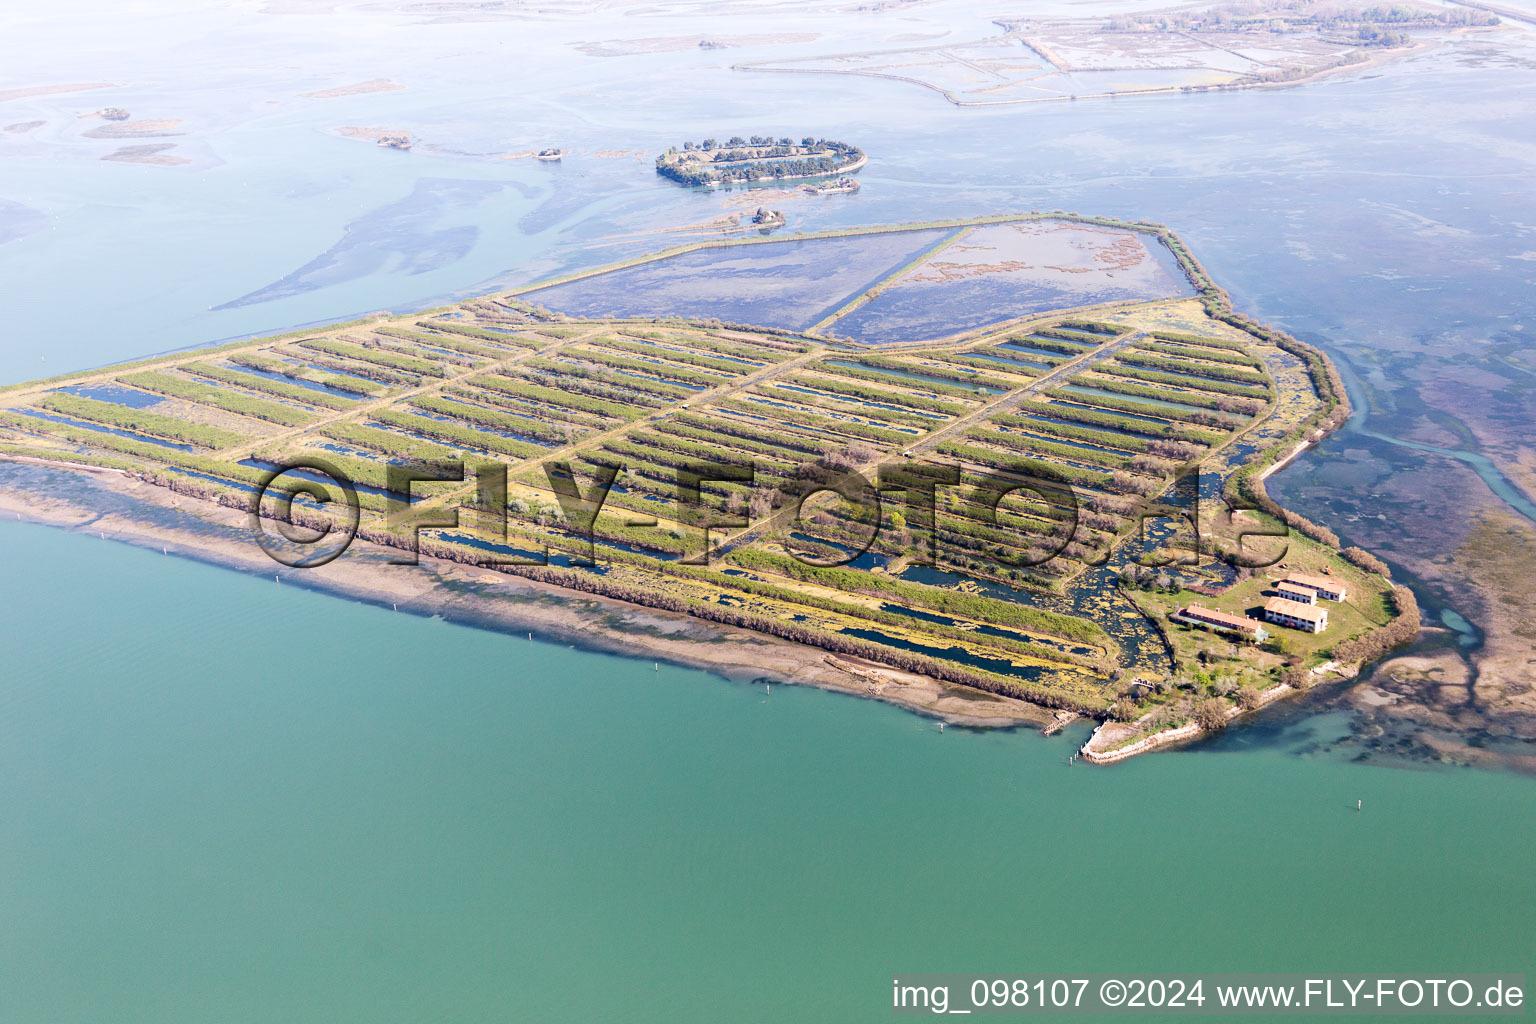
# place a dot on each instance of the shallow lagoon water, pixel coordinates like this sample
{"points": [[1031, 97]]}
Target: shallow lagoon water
{"points": [[324, 810]]}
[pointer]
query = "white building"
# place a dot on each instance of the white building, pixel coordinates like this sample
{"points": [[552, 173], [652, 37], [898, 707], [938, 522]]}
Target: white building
{"points": [[1222, 622], [1296, 615], [1328, 588], [1293, 591]]}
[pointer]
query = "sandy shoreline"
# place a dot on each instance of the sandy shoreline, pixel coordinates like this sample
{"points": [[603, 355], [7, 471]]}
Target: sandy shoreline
{"points": [[161, 519], [1285, 460]]}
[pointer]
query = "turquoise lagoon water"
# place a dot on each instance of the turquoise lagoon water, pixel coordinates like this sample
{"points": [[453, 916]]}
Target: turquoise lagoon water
{"points": [[228, 799]]}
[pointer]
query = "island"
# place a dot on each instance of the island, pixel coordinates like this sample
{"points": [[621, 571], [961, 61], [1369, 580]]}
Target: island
{"points": [[759, 158], [388, 138], [840, 186], [993, 485]]}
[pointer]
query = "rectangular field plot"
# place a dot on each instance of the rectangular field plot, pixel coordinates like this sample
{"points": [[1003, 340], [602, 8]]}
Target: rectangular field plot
{"points": [[784, 284], [1004, 271]]}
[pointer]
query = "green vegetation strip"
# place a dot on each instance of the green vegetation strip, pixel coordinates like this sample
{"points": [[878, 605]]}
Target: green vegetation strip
{"points": [[644, 366], [138, 420], [382, 357], [266, 385], [963, 375], [971, 360], [385, 442], [1203, 340], [1064, 334], [1094, 327], [763, 350], [801, 394], [218, 398], [1062, 428], [155, 454], [1223, 371], [302, 371], [1203, 417], [742, 436], [600, 381], [553, 419], [947, 602], [1123, 387], [1194, 382], [542, 431], [821, 427], [873, 394], [1043, 446], [937, 389], [990, 457], [483, 333], [459, 345], [459, 435], [450, 360], [1047, 341], [515, 388], [659, 351], [1182, 350]]}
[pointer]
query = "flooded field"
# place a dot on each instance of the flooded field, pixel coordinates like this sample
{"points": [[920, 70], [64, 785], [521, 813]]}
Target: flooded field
{"points": [[789, 284], [917, 284], [1003, 271]]}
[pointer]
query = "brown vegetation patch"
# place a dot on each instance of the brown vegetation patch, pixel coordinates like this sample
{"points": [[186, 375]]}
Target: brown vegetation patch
{"points": [[392, 137], [154, 153], [148, 128], [372, 85]]}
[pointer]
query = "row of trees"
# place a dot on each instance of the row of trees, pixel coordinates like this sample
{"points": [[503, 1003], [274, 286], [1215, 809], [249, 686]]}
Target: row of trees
{"points": [[737, 142], [1297, 16]]}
